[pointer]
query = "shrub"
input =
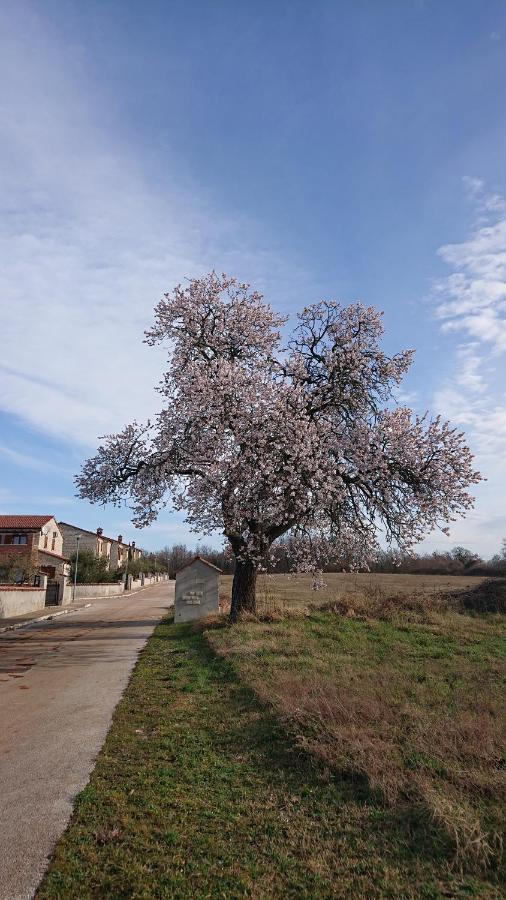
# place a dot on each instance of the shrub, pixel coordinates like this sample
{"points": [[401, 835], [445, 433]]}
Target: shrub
{"points": [[17, 568], [92, 569]]}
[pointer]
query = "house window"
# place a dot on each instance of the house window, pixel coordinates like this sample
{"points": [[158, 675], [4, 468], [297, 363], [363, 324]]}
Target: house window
{"points": [[45, 542], [53, 542], [19, 539]]}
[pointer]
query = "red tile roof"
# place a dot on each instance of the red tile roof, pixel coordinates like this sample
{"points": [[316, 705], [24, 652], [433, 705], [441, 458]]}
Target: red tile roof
{"points": [[23, 522]]}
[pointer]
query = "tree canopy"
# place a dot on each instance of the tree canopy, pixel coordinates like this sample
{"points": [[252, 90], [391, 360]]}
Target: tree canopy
{"points": [[258, 438]]}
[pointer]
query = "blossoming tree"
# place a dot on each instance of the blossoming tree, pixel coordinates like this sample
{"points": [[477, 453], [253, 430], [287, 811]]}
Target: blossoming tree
{"points": [[258, 440]]}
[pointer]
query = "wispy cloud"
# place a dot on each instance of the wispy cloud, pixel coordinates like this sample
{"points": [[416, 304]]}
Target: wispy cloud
{"points": [[472, 299], [88, 244], [26, 461], [471, 303]]}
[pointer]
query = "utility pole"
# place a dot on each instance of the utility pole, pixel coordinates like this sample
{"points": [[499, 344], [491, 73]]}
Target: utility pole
{"points": [[75, 567]]}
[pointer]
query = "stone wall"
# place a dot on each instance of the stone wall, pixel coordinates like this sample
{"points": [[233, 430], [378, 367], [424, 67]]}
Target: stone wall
{"points": [[15, 600]]}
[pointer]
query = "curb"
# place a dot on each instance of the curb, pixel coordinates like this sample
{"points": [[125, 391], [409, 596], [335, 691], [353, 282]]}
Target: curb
{"points": [[62, 612]]}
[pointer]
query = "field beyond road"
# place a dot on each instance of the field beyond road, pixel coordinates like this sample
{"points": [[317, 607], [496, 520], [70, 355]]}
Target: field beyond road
{"points": [[354, 750], [297, 590]]}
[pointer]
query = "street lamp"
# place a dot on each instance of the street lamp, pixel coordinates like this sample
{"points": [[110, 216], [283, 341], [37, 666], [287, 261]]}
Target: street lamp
{"points": [[126, 567], [78, 538]]}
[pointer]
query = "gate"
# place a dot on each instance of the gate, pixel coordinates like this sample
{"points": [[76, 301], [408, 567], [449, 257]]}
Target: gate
{"points": [[52, 593]]}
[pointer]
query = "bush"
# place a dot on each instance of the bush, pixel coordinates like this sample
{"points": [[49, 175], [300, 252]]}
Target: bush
{"points": [[149, 565], [487, 597], [17, 568], [92, 569]]}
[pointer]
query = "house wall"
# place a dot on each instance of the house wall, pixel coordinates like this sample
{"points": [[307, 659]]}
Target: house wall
{"points": [[98, 544], [60, 566], [15, 601], [88, 541], [53, 539], [119, 554], [6, 538]]}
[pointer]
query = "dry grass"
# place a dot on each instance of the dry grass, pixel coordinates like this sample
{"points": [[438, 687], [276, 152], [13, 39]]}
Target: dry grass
{"points": [[403, 690], [448, 766], [388, 597], [277, 592]]}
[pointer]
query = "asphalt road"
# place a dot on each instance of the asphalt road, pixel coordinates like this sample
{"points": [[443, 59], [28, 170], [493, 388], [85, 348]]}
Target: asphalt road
{"points": [[59, 684]]}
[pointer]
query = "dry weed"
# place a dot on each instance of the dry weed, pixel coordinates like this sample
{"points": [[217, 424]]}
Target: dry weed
{"points": [[362, 727], [474, 847]]}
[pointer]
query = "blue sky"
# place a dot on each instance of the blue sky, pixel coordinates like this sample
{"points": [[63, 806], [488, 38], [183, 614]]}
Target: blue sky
{"points": [[352, 150]]}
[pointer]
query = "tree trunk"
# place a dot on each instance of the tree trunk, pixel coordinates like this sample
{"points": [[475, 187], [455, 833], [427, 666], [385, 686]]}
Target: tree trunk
{"points": [[243, 589]]}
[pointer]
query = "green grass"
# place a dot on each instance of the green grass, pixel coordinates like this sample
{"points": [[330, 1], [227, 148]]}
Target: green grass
{"points": [[416, 708], [202, 790]]}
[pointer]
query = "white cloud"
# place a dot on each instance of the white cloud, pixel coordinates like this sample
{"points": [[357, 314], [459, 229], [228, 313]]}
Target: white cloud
{"points": [[88, 245], [473, 185], [471, 302], [472, 299]]}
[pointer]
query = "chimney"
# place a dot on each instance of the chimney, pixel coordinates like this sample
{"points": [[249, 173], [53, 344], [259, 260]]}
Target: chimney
{"points": [[100, 531], [120, 538], [133, 544]]}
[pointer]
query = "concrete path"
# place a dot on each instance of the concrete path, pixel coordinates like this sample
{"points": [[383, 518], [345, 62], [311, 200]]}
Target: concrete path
{"points": [[59, 684]]}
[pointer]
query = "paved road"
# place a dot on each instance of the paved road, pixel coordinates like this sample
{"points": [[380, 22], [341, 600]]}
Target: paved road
{"points": [[59, 685]]}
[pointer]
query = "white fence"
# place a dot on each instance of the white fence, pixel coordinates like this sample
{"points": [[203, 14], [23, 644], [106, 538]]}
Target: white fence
{"points": [[89, 591]]}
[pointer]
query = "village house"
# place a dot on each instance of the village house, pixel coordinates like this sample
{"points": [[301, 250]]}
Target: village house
{"points": [[36, 542], [114, 550]]}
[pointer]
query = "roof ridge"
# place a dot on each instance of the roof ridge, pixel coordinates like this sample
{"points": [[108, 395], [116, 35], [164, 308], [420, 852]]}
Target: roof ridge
{"points": [[88, 531], [199, 558], [16, 520]]}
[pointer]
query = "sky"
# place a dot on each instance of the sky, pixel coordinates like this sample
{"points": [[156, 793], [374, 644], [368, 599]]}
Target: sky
{"points": [[350, 150]]}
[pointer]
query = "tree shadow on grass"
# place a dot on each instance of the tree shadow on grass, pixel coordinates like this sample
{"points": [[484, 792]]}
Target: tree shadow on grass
{"points": [[201, 791], [252, 731]]}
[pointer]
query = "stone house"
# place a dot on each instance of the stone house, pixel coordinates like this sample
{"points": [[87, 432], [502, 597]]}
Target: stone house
{"points": [[38, 543], [121, 551], [115, 550], [197, 590]]}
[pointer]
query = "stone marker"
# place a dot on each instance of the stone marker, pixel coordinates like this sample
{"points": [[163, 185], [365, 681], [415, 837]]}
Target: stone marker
{"points": [[197, 590]]}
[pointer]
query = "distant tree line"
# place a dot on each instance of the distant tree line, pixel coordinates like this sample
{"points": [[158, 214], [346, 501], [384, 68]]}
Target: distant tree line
{"points": [[171, 559], [458, 561]]}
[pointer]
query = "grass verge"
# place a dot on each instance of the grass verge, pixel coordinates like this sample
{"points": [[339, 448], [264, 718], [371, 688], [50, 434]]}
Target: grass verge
{"points": [[200, 791]]}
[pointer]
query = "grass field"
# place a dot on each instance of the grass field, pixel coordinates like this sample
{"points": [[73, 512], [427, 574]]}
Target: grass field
{"points": [[295, 590], [312, 754]]}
